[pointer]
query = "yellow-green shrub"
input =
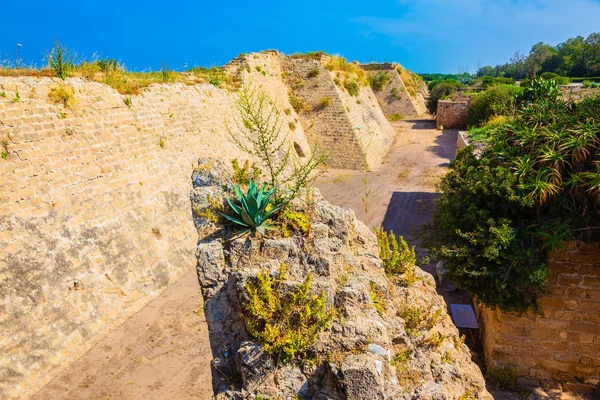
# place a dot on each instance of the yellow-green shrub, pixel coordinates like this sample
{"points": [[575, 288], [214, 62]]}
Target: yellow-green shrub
{"points": [[285, 324], [396, 254], [62, 94]]}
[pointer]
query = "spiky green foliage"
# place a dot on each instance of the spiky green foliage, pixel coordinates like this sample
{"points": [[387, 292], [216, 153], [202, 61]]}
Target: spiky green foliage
{"points": [[252, 210], [394, 251], [535, 186], [285, 324]]}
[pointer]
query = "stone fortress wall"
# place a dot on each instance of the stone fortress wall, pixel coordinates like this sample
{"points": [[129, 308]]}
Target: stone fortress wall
{"points": [[394, 98], [562, 344], [452, 114], [94, 206], [352, 129]]}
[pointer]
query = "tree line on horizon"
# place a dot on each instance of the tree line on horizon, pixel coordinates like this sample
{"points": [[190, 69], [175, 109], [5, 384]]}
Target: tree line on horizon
{"points": [[574, 58]]}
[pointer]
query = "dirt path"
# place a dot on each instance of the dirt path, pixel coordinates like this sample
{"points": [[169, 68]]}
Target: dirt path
{"points": [[162, 352], [402, 190]]}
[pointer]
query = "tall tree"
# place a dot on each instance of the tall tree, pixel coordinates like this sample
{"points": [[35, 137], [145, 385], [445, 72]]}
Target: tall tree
{"points": [[540, 52]]}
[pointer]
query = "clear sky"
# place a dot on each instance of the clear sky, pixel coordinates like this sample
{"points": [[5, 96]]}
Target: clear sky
{"points": [[423, 35]]}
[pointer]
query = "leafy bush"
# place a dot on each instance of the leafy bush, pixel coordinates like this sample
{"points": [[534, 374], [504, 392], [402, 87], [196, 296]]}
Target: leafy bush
{"points": [[560, 80], [323, 103], [439, 92], [487, 81], [293, 221], [63, 94], [351, 70], [251, 211], [61, 60], [313, 73], [539, 90], [393, 117], [296, 103], [534, 187], [243, 175], [395, 253], [377, 298], [352, 87], [417, 318], [285, 324], [504, 81], [378, 81], [497, 100], [257, 131]]}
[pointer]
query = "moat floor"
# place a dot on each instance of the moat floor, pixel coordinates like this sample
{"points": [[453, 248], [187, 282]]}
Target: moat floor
{"points": [[163, 351]]}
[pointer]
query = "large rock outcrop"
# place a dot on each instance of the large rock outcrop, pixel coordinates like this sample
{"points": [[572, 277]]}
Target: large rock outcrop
{"points": [[368, 351]]}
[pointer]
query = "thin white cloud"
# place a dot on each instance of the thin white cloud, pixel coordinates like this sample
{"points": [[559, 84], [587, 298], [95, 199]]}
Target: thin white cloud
{"points": [[474, 29]]}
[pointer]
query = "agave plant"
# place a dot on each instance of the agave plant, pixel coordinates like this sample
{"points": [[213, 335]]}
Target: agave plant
{"points": [[253, 209]]}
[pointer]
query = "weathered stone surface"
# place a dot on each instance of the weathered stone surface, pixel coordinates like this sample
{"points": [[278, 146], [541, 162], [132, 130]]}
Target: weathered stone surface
{"points": [[452, 114], [94, 206], [362, 377], [353, 358], [254, 363], [352, 129], [394, 98], [558, 345]]}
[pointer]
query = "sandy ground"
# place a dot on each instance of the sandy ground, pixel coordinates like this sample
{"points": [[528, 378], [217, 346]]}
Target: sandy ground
{"points": [[162, 352]]}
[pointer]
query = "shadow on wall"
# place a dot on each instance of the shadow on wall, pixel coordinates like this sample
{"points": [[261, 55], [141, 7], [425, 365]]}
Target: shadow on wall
{"points": [[407, 211]]}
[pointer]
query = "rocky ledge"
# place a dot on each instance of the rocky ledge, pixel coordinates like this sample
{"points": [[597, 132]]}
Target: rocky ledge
{"points": [[387, 339]]}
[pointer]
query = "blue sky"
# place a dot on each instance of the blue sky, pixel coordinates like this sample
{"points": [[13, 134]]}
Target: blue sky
{"points": [[424, 35]]}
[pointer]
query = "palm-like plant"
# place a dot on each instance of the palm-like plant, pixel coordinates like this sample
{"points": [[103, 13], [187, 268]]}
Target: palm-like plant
{"points": [[252, 210]]}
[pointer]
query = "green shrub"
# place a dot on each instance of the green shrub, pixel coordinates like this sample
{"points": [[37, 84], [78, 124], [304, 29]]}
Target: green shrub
{"points": [[243, 175], [251, 211], [378, 81], [257, 131], [487, 81], [504, 81], [63, 94], [440, 92], [496, 100], [352, 87], [534, 187], [323, 103], [395, 253], [417, 318], [587, 84], [285, 324], [560, 80], [313, 73], [393, 117], [296, 103], [61, 60]]}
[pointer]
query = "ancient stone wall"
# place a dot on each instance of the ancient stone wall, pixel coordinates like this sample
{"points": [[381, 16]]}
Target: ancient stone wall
{"points": [[264, 71], [352, 129], [393, 98], [452, 113], [94, 209], [563, 344]]}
